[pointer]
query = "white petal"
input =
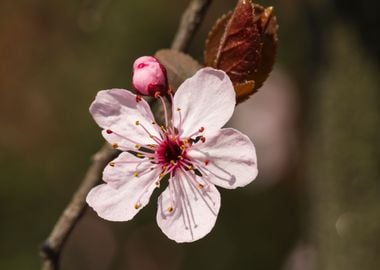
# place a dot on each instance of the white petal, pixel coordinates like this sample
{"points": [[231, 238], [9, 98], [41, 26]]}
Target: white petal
{"points": [[123, 168], [194, 209], [231, 158], [118, 110], [205, 100], [119, 204]]}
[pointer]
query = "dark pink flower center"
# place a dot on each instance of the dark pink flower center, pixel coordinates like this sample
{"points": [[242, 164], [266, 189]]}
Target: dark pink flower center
{"points": [[171, 152]]}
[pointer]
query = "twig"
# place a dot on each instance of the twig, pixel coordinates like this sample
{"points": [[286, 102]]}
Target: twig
{"points": [[52, 247], [191, 20]]}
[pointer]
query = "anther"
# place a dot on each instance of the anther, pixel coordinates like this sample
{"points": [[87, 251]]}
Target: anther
{"points": [[203, 139], [112, 164], [200, 186], [153, 123], [162, 175], [201, 129], [115, 145], [206, 162], [109, 131], [178, 109], [157, 183], [138, 98], [137, 205], [172, 162], [137, 146], [135, 174], [140, 155], [189, 167], [170, 209], [137, 122]]}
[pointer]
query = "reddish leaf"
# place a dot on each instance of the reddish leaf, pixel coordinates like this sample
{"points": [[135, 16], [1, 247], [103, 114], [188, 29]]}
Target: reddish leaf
{"points": [[213, 39], [244, 90], [268, 27], [243, 43], [240, 46]]}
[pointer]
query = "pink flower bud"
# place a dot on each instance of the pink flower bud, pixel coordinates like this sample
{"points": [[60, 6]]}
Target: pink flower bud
{"points": [[149, 76]]}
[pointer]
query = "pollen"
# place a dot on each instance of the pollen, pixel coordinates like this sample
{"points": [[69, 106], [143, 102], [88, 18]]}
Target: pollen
{"points": [[137, 205], [115, 145]]}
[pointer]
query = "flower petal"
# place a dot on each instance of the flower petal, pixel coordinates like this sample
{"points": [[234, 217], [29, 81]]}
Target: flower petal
{"points": [[118, 110], [230, 157], [125, 167], [205, 100], [124, 202], [186, 212]]}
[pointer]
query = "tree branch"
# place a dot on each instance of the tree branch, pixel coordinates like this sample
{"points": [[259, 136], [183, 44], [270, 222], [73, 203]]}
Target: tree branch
{"points": [[191, 20], [52, 247]]}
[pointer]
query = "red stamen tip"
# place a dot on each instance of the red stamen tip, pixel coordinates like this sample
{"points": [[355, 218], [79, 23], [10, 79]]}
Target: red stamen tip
{"points": [[206, 162], [201, 129], [203, 139], [138, 98], [109, 131]]}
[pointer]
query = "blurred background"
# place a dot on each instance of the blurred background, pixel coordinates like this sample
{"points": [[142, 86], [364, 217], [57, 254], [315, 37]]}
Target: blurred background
{"points": [[315, 123]]}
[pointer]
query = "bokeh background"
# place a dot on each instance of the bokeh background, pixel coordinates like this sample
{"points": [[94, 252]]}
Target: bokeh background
{"points": [[315, 123]]}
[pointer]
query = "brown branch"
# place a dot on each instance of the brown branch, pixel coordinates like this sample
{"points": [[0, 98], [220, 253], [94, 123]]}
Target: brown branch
{"points": [[191, 20], [52, 247]]}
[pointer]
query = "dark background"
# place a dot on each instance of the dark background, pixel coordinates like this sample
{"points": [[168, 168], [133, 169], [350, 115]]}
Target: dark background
{"points": [[315, 124]]}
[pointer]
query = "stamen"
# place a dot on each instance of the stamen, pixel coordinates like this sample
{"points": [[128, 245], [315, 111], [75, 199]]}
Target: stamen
{"points": [[170, 209], [203, 194], [184, 194], [157, 140], [137, 205], [115, 145], [138, 98], [165, 110]]}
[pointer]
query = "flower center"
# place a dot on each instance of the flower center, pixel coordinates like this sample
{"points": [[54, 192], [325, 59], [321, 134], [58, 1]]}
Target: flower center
{"points": [[171, 151]]}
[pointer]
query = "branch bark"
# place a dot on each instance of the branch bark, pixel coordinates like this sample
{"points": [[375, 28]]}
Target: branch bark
{"points": [[190, 22], [53, 245]]}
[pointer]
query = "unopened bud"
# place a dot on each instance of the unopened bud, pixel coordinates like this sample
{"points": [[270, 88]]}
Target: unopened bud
{"points": [[149, 76]]}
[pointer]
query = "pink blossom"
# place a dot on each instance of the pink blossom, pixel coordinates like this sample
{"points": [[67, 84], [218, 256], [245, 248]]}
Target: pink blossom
{"points": [[191, 151], [149, 76]]}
